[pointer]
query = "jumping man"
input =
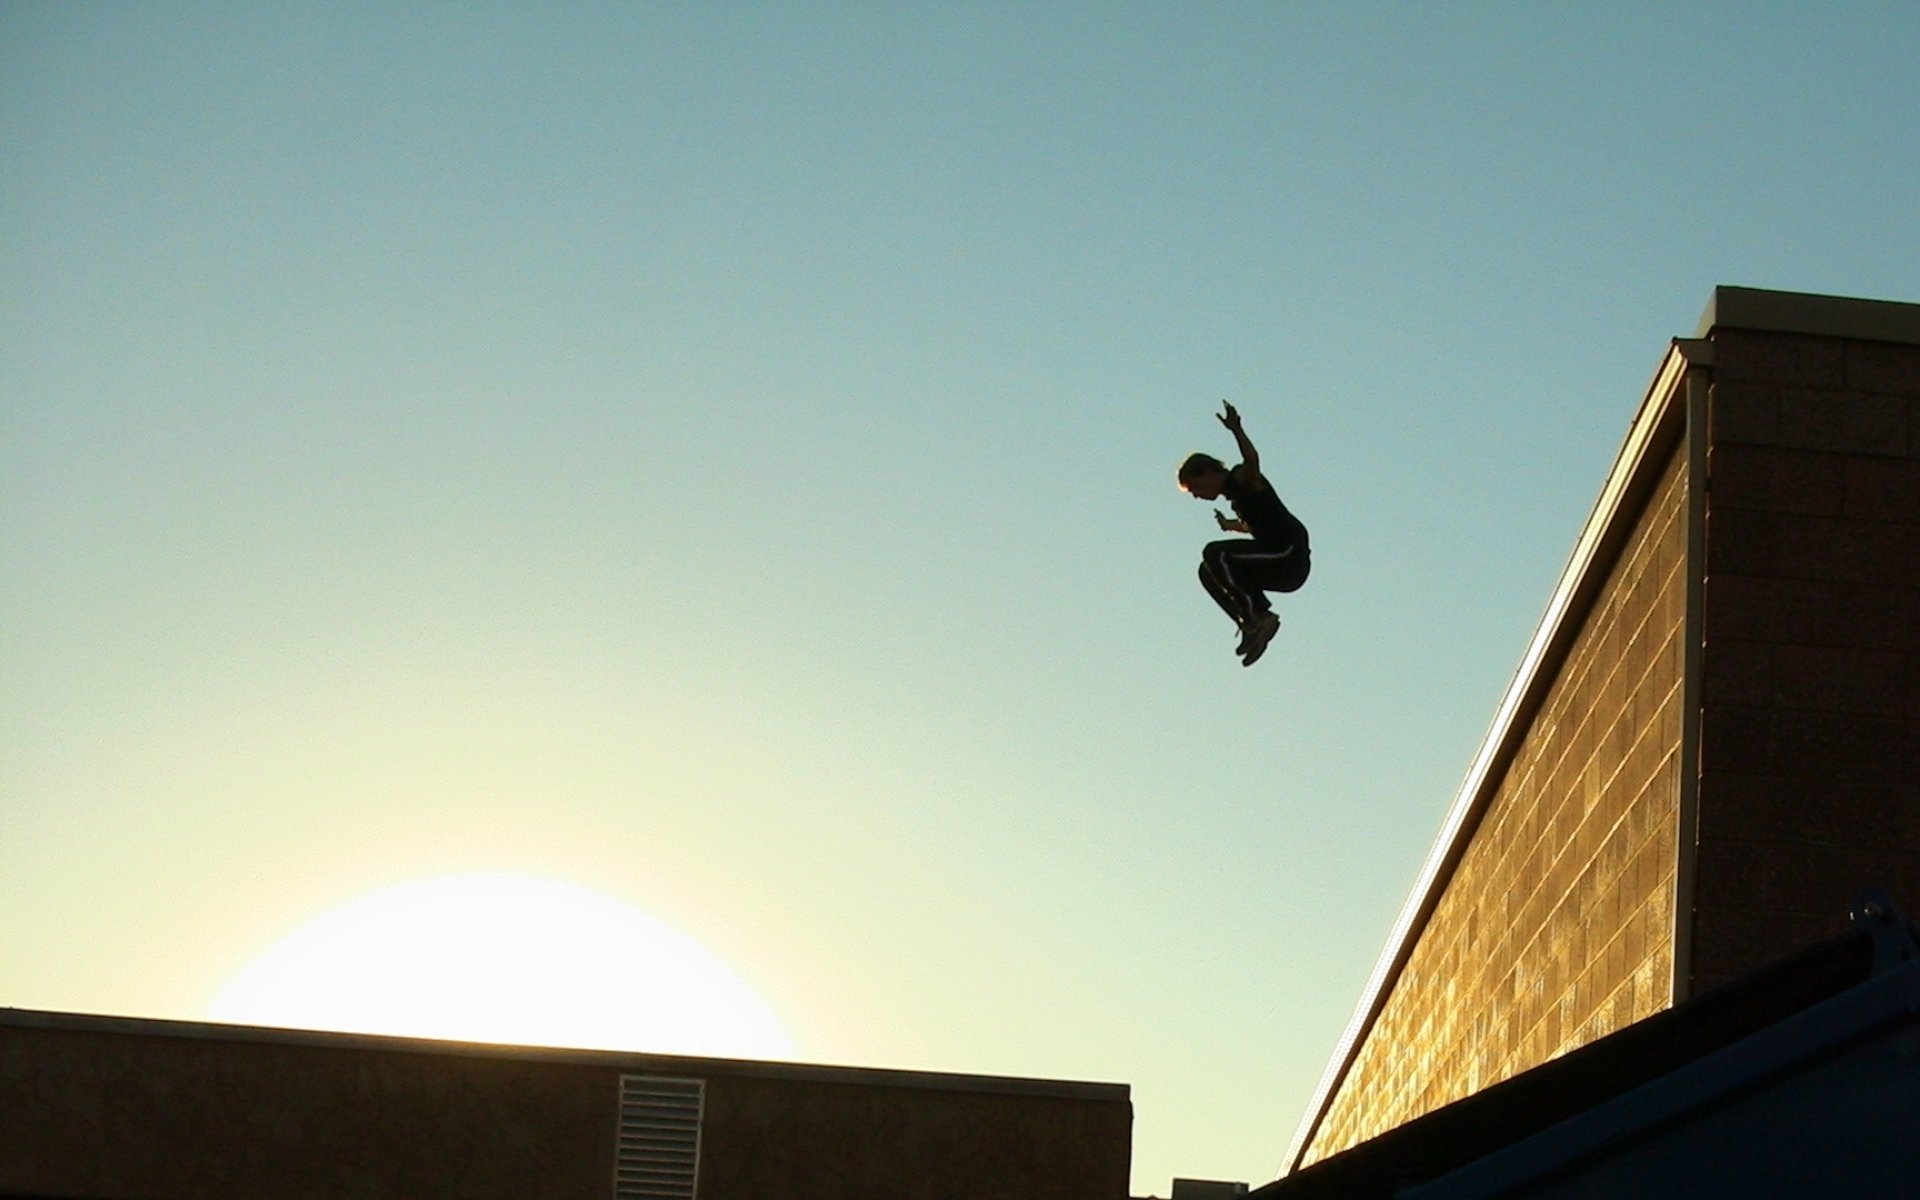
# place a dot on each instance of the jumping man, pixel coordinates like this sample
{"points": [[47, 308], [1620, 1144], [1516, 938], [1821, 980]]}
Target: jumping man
{"points": [[1239, 572]]}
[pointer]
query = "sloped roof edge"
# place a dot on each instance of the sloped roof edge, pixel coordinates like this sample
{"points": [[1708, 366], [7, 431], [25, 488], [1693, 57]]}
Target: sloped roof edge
{"points": [[1651, 438]]}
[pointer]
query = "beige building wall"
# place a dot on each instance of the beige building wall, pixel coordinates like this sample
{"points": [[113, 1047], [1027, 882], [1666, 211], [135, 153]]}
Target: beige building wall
{"points": [[1555, 926], [1714, 743]]}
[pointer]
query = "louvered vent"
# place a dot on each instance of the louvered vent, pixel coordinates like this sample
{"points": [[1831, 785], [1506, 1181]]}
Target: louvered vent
{"points": [[658, 1155]]}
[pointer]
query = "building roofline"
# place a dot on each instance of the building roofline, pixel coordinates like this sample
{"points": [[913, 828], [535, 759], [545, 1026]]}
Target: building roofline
{"points": [[1650, 440], [1805, 313], [623, 1060], [1656, 429]]}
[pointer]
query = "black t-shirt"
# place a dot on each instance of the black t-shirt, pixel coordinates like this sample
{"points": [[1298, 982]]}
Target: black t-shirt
{"points": [[1267, 519]]}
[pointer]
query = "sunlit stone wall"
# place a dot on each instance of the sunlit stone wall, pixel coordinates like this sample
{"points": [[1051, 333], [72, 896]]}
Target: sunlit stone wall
{"points": [[1556, 928], [1564, 917]]}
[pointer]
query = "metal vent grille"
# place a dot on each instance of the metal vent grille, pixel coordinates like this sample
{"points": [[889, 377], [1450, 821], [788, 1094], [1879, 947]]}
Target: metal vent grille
{"points": [[658, 1151]]}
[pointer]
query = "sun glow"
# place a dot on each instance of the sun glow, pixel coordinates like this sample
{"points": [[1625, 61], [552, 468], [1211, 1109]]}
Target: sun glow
{"points": [[505, 958]]}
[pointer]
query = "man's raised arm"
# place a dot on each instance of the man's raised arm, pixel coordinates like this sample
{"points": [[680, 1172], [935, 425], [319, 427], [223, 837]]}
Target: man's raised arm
{"points": [[1249, 457]]}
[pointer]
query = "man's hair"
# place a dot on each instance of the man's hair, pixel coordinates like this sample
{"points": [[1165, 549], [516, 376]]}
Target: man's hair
{"points": [[1198, 465]]}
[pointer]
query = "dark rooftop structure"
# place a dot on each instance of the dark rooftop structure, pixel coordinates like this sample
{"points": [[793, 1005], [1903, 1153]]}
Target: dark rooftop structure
{"points": [[116, 1108], [1800, 1079]]}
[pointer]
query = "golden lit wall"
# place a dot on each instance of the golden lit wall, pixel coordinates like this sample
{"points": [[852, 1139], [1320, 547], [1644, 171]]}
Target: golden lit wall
{"points": [[1557, 925]]}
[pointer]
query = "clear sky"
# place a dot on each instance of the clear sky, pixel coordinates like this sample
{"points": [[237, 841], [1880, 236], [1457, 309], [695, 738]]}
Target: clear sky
{"points": [[721, 457]]}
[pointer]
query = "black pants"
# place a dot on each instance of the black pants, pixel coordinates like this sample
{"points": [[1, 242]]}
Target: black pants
{"points": [[1238, 572]]}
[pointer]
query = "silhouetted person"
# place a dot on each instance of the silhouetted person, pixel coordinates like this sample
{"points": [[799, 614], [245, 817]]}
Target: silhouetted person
{"points": [[1239, 572]]}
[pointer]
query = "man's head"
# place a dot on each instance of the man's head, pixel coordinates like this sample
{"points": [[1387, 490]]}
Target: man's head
{"points": [[1202, 476]]}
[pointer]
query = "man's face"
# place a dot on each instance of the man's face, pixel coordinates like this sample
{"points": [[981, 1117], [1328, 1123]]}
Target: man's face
{"points": [[1206, 485]]}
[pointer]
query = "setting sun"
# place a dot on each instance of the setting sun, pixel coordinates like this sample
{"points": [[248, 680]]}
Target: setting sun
{"points": [[505, 958]]}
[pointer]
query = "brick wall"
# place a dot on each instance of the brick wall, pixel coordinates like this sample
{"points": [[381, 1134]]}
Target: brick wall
{"points": [[783, 1140], [1810, 783], [1556, 926], [1588, 888], [167, 1118], [107, 1107]]}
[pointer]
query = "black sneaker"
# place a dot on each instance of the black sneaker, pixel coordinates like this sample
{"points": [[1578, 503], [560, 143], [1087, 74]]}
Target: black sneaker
{"points": [[1259, 632]]}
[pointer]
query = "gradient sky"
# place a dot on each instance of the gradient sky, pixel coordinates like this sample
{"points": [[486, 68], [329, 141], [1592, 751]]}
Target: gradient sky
{"points": [[722, 456]]}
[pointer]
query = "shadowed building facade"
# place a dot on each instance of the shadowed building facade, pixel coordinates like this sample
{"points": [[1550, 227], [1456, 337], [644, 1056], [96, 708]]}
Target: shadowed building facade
{"points": [[118, 1109], [1707, 751]]}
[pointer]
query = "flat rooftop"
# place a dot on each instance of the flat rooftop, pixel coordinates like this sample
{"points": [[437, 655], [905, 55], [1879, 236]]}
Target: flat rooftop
{"points": [[620, 1060]]}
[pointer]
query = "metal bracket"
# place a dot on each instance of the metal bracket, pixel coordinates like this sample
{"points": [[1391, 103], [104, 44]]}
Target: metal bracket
{"points": [[1892, 934]]}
